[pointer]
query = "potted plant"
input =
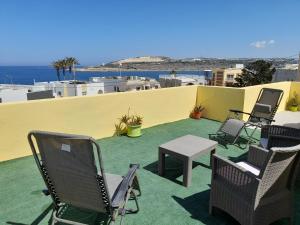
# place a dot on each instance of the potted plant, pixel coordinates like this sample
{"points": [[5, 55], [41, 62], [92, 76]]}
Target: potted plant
{"points": [[130, 125], [134, 126], [197, 112], [293, 103]]}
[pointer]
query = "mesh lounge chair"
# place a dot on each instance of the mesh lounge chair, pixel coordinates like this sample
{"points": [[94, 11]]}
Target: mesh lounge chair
{"points": [[72, 169], [259, 191], [263, 113]]}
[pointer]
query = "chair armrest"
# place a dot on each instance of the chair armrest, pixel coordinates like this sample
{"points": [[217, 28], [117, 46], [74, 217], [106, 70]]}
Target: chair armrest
{"points": [[234, 177], [279, 130], [124, 186], [239, 111], [265, 130], [251, 115], [257, 155], [282, 141]]}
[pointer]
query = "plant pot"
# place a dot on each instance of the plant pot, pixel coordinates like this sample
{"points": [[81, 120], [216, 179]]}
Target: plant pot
{"points": [[293, 108], [134, 131], [196, 115]]}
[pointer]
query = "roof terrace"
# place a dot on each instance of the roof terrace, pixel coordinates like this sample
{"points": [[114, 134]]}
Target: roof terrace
{"points": [[164, 200]]}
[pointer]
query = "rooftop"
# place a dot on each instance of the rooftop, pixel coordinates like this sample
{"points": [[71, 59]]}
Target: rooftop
{"points": [[164, 200]]}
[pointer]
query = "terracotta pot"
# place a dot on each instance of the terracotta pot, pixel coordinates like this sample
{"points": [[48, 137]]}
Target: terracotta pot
{"points": [[196, 115]]}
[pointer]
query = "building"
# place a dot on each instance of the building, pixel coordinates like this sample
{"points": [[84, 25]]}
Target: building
{"points": [[128, 83], [226, 76], [287, 73], [171, 80], [16, 92]]}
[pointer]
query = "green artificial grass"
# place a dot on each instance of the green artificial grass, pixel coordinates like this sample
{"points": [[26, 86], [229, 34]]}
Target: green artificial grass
{"points": [[164, 200]]}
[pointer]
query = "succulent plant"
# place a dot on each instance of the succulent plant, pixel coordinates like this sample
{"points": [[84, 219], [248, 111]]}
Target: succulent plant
{"points": [[198, 108]]}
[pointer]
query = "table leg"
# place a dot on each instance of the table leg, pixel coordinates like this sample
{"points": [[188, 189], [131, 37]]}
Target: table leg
{"points": [[211, 154], [187, 172], [161, 163]]}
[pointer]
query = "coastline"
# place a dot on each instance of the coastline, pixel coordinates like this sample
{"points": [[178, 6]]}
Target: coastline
{"points": [[108, 69]]}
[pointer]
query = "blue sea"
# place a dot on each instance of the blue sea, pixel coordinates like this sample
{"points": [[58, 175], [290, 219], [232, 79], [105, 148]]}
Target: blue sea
{"points": [[29, 74]]}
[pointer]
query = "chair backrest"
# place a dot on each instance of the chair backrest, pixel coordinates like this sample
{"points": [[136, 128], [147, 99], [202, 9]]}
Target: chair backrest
{"points": [[279, 171], [68, 166], [267, 97]]}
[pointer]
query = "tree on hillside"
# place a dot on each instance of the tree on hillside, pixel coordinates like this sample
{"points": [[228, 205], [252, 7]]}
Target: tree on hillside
{"points": [[56, 65], [258, 72]]}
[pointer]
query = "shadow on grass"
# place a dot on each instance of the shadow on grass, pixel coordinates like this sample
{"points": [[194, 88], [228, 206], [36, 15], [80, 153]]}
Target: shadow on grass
{"points": [[197, 205], [173, 170], [224, 141], [73, 214], [239, 158], [38, 219]]}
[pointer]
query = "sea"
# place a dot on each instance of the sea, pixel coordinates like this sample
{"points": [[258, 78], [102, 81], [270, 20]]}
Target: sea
{"points": [[30, 74]]}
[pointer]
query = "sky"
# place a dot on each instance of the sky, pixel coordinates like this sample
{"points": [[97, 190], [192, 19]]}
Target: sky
{"points": [[35, 32]]}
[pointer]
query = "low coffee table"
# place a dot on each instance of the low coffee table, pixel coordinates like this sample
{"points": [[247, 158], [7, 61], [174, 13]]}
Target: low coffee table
{"points": [[187, 149]]}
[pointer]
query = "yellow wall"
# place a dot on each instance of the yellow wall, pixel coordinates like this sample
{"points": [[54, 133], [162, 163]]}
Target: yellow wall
{"points": [[95, 115], [89, 115], [295, 88], [218, 100]]}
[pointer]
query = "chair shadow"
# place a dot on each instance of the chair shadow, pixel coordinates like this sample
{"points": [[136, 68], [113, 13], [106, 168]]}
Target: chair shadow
{"points": [[239, 158], [198, 205], [224, 141], [70, 213], [38, 219], [173, 170]]}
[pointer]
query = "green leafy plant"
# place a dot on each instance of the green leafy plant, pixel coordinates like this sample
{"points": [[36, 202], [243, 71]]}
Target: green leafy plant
{"points": [[294, 100], [125, 121], [198, 108], [135, 120]]}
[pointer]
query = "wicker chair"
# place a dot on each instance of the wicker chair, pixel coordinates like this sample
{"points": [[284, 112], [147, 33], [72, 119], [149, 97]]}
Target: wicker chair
{"points": [[259, 191], [279, 136]]}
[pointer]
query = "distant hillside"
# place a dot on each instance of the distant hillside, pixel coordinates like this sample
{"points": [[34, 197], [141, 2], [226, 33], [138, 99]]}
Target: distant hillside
{"points": [[186, 64], [142, 59]]}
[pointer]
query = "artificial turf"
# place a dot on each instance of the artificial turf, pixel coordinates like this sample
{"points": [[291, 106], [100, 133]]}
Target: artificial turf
{"points": [[164, 200]]}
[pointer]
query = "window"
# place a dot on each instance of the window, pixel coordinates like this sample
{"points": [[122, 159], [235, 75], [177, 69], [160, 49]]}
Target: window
{"points": [[229, 76]]}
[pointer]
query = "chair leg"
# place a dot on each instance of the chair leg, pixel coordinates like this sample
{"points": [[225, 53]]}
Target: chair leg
{"points": [[211, 210], [136, 204], [292, 220], [136, 185]]}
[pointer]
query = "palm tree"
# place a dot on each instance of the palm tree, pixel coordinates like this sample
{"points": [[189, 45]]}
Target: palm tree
{"points": [[63, 66], [71, 61], [57, 66]]}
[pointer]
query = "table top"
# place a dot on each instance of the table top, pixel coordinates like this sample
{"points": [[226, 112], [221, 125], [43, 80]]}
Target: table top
{"points": [[189, 145]]}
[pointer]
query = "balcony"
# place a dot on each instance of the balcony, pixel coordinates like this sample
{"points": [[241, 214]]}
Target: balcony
{"points": [[164, 199]]}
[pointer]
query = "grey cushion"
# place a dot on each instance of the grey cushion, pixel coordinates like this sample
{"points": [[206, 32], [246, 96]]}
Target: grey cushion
{"points": [[251, 168], [263, 108], [113, 182], [233, 127]]}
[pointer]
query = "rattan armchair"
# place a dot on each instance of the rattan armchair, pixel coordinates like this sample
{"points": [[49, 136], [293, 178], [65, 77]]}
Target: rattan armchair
{"points": [[260, 196], [279, 136]]}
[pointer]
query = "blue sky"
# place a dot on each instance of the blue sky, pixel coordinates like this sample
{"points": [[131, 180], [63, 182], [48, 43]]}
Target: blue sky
{"points": [[96, 31]]}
